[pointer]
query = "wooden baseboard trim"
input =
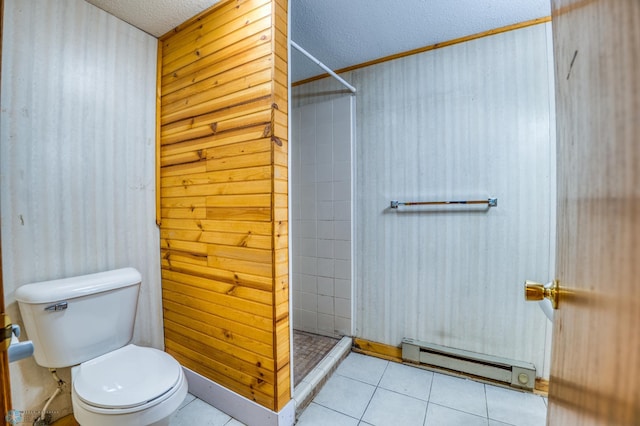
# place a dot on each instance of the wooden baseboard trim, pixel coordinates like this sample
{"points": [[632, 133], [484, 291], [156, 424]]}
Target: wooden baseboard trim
{"points": [[378, 350], [541, 387], [68, 420]]}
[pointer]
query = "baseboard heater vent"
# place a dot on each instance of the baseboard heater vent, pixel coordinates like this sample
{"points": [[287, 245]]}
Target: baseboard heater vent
{"points": [[510, 372]]}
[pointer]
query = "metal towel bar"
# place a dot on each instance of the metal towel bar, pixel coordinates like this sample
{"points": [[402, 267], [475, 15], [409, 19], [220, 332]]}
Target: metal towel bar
{"points": [[491, 202]]}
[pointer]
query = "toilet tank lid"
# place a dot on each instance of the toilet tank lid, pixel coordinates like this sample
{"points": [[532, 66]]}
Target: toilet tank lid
{"points": [[72, 287]]}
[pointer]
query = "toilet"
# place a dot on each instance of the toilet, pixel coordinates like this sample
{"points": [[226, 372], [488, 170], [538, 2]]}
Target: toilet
{"points": [[86, 323]]}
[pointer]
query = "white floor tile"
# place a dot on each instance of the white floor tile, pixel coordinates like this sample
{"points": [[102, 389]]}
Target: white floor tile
{"points": [[497, 423], [459, 394], [345, 395], [364, 368], [407, 380], [516, 408], [438, 415], [199, 413], [317, 415], [391, 408], [234, 422], [187, 399]]}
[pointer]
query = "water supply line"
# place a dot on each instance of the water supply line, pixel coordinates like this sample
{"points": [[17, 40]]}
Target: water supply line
{"points": [[45, 418], [323, 66]]}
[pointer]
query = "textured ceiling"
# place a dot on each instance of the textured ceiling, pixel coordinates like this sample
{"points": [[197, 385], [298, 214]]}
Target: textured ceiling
{"points": [[341, 33], [155, 17]]}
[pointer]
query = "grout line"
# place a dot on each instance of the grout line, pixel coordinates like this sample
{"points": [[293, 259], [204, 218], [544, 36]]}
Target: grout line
{"points": [[462, 411], [335, 411], [368, 404], [486, 402]]}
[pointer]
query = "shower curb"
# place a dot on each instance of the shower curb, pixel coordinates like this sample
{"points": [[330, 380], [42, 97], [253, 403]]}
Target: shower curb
{"points": [[309, 387]]}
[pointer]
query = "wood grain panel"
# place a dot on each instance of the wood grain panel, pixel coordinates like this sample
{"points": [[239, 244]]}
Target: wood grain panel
{"points": [[596, 345], [253, 367], [171, 176], [224, 37], [208, 29], [199, 360], [183, 79], [223, 188], [238, 49], [205, 125], [220, 287]]}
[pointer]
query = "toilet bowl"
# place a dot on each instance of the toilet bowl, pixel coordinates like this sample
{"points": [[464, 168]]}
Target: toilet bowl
{"points": [[86, 323], [131, 385]]}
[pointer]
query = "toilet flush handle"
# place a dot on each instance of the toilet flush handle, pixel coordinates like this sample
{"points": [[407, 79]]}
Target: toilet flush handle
{"points": [[60, 306]]}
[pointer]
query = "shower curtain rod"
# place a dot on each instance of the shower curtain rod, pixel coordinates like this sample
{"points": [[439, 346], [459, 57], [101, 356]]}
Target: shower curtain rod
{"points": [[321, 65]]}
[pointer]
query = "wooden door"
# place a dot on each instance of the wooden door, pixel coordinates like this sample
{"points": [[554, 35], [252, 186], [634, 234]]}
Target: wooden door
{"points": [[5, 390], [596, 350]]}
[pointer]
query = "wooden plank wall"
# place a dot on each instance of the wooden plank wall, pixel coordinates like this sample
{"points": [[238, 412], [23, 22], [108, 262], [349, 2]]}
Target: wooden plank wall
{"points": [[223, 197]]}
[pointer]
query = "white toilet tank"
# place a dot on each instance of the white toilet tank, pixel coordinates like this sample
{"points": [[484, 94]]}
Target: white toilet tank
{"points": [[72, 320]]}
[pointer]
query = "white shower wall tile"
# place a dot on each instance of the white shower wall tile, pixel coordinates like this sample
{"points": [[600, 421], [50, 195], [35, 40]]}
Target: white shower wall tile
{"points": [[343, 307], [308, 229], [325, 248], [308, 283], [342, 210], [342, 326], [324, 192], [341, 149], [342, 171], [342, 250], [308, 265], [326, 324], [342, 269], [308, 247], [324, 173], [325, 210], [324, 154], [326, 268], [342, 230], [309, 301], [341, 191], [321, 196], [325, 229], [325, 304], [342, 288], [326, 286], [309, 210], [307, 158]]}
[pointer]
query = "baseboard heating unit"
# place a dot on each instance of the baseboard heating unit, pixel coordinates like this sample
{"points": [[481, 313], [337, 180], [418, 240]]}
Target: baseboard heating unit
{"points": [[509, 372]]}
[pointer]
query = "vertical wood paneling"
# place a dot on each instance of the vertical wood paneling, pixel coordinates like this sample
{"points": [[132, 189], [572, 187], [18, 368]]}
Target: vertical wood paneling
{"points": [[223, 147], [471, 120], [77, 157]]}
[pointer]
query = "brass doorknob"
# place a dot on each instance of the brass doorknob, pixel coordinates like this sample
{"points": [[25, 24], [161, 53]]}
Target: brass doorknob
{"points": [[534, 291]]}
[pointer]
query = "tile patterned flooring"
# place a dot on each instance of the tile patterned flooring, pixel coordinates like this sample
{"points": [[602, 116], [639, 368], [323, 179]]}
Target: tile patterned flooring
{"points": [[308, 351], [369, 391]]}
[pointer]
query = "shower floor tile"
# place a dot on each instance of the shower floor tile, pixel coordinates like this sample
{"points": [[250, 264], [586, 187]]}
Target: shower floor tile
{"points": [[308, 350]]}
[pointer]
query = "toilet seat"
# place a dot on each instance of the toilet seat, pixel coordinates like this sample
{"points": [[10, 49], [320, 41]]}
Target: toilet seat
{"points": [[128, 378]]}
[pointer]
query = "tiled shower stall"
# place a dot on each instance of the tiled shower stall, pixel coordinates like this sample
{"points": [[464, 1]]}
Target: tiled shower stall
{"points": [[321, 153]]}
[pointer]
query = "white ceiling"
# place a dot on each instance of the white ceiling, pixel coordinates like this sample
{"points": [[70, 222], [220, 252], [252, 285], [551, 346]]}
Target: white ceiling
{"points": [[341, 33]]}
